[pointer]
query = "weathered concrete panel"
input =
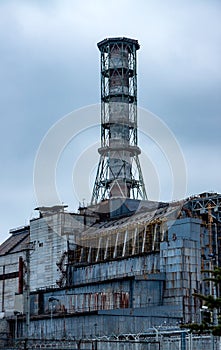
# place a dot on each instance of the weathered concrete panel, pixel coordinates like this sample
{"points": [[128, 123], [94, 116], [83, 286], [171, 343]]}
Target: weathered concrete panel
{"points": [[48, 248], [116, 269]]}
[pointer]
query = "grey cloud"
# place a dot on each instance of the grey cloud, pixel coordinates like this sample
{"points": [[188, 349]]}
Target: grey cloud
{"points": [[49, 66]]}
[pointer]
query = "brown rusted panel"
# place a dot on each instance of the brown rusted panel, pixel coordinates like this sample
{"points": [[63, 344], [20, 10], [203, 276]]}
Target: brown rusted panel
{"points": [[124, 300], [127, 299], [8, 276], [117, 299], [103, 301], [20, 275], [95, 301]]}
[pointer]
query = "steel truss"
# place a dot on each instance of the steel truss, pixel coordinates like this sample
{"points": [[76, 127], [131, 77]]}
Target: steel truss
{"points": [[119, 172]]}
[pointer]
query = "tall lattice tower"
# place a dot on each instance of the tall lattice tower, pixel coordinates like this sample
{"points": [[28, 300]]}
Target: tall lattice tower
{"points": [[119, 172]]}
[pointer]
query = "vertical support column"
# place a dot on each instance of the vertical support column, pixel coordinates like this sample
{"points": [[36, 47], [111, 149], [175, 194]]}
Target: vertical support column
{"points": [[20, 275], [131, 301], [81, 254], [134, 240], [125, 243], [144, 238], [106, 248], [154, 236], [183, 341], [27, 294], [98, 249], [89, 255], [116, 244], [3, 288]]}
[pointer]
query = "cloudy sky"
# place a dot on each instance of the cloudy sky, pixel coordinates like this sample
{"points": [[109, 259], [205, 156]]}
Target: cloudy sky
{"points": [[49, 67]]}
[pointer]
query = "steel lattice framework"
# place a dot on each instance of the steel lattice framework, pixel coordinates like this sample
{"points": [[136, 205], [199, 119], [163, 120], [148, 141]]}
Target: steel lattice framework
{"points": [[119, 172]]}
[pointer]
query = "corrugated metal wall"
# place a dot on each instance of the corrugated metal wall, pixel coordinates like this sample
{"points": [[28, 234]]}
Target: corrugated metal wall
{"points": [[103, 296]]}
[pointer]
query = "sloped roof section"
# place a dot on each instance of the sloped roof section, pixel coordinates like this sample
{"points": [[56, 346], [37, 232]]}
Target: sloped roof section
{"points": [[16, 242], [143, 216]]}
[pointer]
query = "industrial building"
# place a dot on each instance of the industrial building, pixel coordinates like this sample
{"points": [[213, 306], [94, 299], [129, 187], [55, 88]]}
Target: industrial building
{"points": [[123, 264]]}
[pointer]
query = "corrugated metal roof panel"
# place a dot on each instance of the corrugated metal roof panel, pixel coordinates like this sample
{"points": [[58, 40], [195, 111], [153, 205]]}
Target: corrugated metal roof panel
{"points": [[140, 217]]}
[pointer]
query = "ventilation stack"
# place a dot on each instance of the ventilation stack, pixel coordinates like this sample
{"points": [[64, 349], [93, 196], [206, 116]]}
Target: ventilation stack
{"points": [[119, 172]]}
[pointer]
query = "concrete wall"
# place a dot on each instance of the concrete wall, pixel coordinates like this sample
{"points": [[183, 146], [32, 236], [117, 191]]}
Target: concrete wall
{"points": [[180, 260], [150, 283], [9, 264], [46, 236], [135, 282], [49, 235], [116, 269], [4, 333], [99, 325], [125, 293]]}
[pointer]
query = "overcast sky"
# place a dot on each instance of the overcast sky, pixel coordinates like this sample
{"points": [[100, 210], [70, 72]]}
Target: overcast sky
{"points": [[49, 66]]}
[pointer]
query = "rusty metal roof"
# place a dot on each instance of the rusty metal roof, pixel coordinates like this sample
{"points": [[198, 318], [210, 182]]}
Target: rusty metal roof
{"points": [[141, 217]]}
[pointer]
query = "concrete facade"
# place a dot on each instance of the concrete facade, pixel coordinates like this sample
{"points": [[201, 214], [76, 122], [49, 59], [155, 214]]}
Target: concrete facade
{"points": [[11, 251], [91, 277], [180, 260]]}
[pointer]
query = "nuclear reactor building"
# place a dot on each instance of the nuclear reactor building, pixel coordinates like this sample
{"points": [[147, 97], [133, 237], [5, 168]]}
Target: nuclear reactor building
{"points": [[121, 265]]}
